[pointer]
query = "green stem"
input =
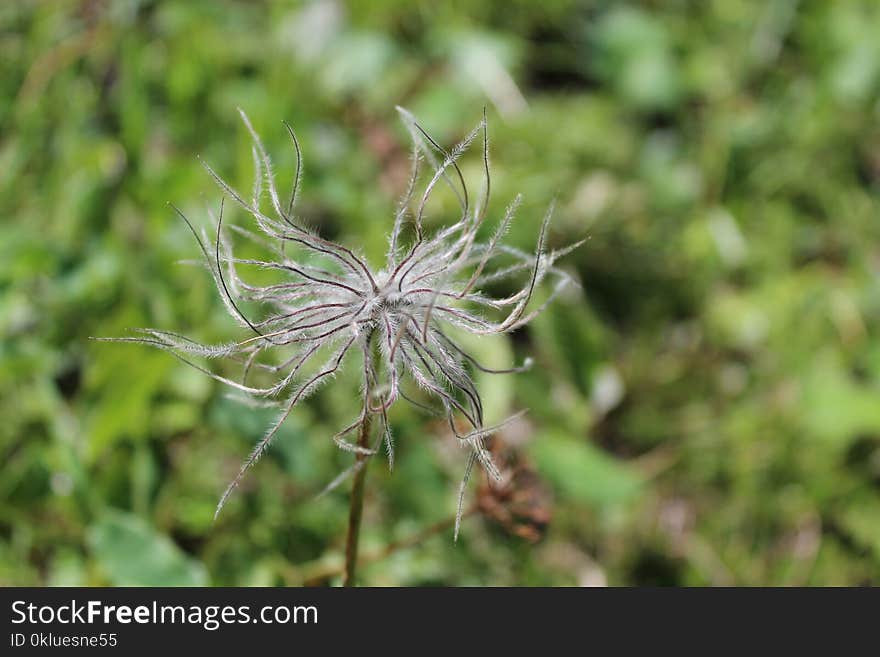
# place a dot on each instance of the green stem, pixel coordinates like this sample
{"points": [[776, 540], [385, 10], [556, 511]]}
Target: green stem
{"points": [[356, 507]]}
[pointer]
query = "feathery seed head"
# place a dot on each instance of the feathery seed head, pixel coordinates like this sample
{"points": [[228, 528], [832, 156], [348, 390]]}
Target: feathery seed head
{"points": [[329, 303]]}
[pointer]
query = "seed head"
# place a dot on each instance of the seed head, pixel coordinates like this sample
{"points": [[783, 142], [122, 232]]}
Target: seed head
{"points": [[400, 319]]}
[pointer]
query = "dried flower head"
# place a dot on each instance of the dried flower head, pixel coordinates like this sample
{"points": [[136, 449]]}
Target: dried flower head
{"points": [[522, 505], [330, 302]]}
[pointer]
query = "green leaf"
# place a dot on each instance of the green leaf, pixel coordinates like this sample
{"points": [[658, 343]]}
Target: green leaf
{"points": [[130, 379], [583, 472], [635, 55], [132, 553], [862, 521], [834, 408]]}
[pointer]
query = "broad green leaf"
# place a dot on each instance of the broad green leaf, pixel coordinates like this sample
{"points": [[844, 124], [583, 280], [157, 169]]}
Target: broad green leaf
{"points": [[132, 553], [583, 472], [834, 408]]}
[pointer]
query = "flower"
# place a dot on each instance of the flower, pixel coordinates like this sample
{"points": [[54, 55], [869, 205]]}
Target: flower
{"points": [[330, 303]]}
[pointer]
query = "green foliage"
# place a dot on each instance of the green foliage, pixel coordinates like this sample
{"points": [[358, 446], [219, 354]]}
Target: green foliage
{"points": [[703, 411], [583, 473], [131, 553]]}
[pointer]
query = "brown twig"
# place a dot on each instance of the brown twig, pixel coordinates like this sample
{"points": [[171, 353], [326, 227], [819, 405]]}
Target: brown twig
{"points": [[415, 539], [323, 571]]}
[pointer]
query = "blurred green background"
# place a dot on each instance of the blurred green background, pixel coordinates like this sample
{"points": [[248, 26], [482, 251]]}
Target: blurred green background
{"points": [[706, 410]]}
